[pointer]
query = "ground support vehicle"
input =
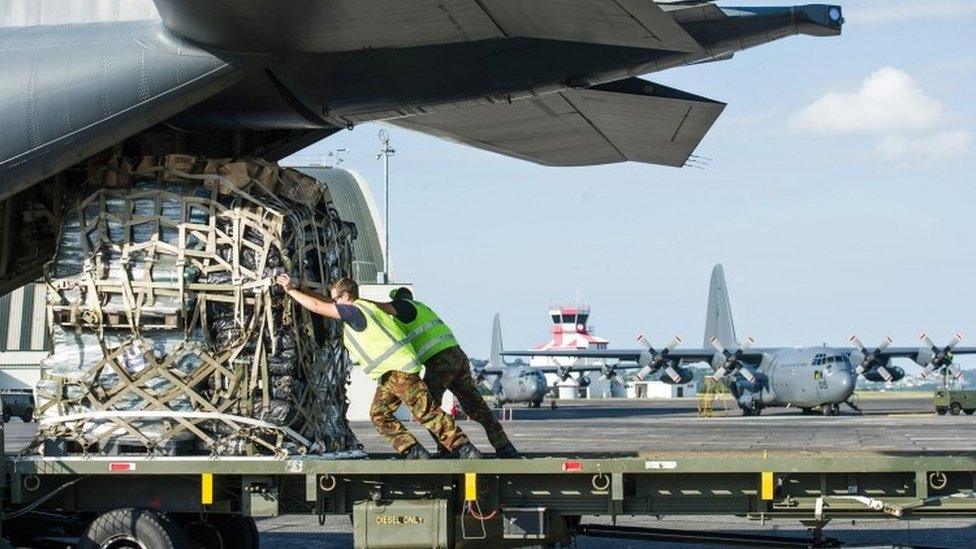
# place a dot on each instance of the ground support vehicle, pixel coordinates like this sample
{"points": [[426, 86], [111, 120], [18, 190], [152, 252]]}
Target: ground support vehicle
{"points": [[18, 403], [955, 401], [487, 503]]}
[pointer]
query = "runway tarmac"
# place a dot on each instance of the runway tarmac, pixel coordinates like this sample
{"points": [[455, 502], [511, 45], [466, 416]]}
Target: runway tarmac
{"points": [[628, 426]]}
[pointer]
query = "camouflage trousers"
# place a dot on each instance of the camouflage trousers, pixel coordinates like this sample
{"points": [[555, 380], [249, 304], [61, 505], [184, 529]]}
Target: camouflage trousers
{"points": [[397, 387], [450, 369]]}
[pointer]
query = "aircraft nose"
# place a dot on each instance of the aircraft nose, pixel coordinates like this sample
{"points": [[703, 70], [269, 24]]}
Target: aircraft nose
{"points": [[842, 378]]}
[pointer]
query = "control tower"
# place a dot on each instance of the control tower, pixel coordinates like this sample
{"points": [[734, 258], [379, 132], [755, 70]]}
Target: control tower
{"points": [[570, 331]]}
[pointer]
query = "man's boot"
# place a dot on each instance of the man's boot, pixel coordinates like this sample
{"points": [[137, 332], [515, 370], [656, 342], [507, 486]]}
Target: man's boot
{"points": [[416, 452], [468, 451], [507, 451], [444, 453]]}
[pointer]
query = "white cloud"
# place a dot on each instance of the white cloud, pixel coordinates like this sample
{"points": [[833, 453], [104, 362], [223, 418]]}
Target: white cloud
{"points": [[889, 100], [913, 10], [909, 126], [926, 149]]}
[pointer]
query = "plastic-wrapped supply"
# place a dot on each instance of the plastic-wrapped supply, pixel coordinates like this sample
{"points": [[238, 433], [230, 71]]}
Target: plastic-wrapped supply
{"points": [[169, 334]]}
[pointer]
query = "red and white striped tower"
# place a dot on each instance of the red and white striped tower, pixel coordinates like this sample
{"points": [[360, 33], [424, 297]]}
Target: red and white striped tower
{"points": [[570, 331]]}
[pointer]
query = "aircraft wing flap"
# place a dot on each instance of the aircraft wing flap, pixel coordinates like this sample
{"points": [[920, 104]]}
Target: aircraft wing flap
{"points": [[631, 120], [631, 23]]}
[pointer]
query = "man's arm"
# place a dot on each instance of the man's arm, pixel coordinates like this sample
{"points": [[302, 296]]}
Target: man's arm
{"points": [[317, 303], [384, 306]]}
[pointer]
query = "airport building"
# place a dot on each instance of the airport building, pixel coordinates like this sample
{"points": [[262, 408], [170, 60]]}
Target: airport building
{"points": [[570, 331]]}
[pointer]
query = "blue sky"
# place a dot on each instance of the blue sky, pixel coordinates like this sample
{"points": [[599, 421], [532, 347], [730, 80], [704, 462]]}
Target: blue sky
{"points": [[839, 197]]}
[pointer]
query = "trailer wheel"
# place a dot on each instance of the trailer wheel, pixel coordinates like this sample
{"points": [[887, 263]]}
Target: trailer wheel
{"points": [[970, 411], [941, 410], [133, 528], [7, 414], [955, 408], [28, 415], [220, 531]]}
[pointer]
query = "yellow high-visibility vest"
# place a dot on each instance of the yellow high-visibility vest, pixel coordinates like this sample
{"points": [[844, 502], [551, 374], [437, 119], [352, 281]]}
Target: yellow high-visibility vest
{"points": [[382, 347], [427, 334]]}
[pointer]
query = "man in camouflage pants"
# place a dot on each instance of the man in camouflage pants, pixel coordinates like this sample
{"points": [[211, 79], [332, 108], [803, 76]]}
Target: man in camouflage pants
{"points": [[450, 369], [446, 367], [397, 387], [376, 342]]}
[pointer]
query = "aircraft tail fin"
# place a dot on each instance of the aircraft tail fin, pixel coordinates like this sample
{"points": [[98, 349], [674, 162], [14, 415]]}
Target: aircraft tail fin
{"points": [[718, 318], [496, 359]]}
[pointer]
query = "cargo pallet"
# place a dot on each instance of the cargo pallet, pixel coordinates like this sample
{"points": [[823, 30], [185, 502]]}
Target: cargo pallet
{"points": [[538, 500]]}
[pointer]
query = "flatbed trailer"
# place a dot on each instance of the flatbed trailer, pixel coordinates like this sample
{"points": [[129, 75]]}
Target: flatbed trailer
{"points": [[538, 500]]}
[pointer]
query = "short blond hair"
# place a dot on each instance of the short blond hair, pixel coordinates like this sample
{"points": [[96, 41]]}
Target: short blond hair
{"points": [[346, 285]]}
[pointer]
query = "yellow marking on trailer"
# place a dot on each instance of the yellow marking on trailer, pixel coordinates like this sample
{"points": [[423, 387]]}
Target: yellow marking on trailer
{"points": [[766, 487], [206, 488], [470, 486]]}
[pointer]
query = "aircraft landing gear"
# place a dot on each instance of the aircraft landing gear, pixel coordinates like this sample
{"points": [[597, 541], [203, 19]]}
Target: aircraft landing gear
{"points": [[552, 405], [828, 410], [751, 411], [535, 404]]}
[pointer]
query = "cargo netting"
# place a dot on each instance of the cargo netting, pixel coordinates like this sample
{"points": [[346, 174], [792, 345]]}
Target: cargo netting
{"points": [[169, 334]]}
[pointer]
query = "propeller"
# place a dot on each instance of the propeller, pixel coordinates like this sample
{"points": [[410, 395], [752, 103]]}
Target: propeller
{"points": [[941, 358], [733, 361], [563, 372], [872, 359], [480, 377], [651, 360], [609, 371], [584, 381]]}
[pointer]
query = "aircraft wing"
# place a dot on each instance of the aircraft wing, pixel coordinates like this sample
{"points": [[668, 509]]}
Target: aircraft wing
{"points": [[349, 25], [915, 352], [100, 83], [753, 355], [631, 119]]}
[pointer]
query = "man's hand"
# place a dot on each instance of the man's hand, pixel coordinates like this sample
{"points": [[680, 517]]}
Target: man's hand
{"points": [[285, 282]]}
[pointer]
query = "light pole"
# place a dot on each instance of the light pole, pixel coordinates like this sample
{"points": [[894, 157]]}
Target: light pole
{"points": [[385, 153]]}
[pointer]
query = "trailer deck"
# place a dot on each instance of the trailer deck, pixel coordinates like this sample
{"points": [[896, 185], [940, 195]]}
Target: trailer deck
{"points": [[812, 487], [779, 468]]}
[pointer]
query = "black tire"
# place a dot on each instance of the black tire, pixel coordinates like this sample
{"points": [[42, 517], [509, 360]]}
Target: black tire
{"points": [[828, 410], [969, 412], [941, 410], [28, 415], [220, 531], [7, 414], [123, 528], [955, 408]]}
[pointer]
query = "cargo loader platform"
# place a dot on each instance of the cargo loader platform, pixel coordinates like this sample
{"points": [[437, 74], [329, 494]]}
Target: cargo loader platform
{"points": [[538, 499]]}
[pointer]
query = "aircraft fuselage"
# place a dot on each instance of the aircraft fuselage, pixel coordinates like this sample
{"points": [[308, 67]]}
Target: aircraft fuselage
{"points": [[804, 377]]}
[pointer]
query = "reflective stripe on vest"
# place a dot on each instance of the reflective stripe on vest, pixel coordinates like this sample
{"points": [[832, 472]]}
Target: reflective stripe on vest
{"points": [[428, 334], [384, 339]]}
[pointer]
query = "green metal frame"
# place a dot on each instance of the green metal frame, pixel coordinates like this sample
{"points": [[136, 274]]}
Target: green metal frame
{"points": [[811, 487]]}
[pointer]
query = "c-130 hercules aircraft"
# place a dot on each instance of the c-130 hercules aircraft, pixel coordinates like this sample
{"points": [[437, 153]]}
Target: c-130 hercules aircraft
{"points": [[801, 377], [549, 81]]}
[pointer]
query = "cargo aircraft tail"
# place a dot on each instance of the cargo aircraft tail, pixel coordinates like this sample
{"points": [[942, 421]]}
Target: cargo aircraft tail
{"points": [[718, 317]]}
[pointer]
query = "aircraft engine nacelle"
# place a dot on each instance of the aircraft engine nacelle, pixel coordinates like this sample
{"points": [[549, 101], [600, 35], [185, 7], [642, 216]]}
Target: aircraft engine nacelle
{"points": [[584, 381], [875, 375], [678, 376]]}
